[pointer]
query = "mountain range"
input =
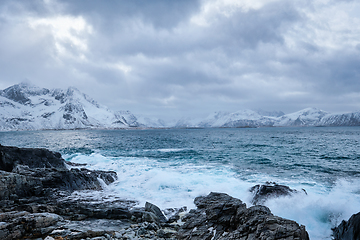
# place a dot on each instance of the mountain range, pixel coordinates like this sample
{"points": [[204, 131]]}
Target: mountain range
{"points": [[27, 107]]}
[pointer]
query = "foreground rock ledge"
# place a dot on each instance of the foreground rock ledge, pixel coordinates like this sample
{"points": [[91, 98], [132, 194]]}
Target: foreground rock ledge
{"points": [[220, 216], [37, 202]]}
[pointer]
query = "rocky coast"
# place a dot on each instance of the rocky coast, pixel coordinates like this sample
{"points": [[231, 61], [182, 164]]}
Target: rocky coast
{"points": [[38, 199]]}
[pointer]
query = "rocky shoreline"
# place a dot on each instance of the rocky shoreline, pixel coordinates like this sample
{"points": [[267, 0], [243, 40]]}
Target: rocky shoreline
{"points": [[38, 201]]}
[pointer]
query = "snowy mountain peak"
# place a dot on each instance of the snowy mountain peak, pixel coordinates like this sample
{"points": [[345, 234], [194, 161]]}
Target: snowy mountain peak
{"points": [[21, 92], [26, 107], [311, 110]]}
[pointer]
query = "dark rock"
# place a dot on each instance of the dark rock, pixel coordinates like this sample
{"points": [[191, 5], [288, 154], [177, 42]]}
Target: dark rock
{"points": [[10, 157], [219, 216], [36, 180], [27, 172], [173, 214], [270, 190], [73, 208], [15, 225], [159, 216], [88, 229], [37, 201], [13, 185], [348, 230]]}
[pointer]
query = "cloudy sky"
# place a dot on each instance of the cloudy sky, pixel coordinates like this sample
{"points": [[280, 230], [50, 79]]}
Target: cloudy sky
{"points": [[184, 58]]}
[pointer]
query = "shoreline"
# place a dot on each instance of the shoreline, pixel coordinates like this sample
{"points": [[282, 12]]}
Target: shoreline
{"points": [[36, 202]]}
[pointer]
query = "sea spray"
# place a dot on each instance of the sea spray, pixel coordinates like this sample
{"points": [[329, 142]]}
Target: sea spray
{"points": [[321, 209], [171, 167]]}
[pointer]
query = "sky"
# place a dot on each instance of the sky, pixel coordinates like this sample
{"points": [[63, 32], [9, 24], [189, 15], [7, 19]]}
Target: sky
{"points": [[171, 59]]}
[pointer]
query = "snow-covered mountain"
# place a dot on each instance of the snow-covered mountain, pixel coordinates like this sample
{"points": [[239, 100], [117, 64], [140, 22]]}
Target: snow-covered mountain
{"points": [[27, 107], [305, 117], [152, 122], [347, 119], [244, 118]]}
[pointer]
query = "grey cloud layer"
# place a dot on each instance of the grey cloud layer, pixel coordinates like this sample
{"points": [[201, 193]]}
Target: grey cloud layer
{"points": [[188, 57]]}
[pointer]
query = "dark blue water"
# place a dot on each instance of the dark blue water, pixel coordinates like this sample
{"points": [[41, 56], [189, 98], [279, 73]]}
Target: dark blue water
{"points": [[171, 167]]}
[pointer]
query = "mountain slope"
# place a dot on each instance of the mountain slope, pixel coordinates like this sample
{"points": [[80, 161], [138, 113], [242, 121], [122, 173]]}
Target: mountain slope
{"points": [[305, 118], [27, 107], [244, 118], [347, 119]]}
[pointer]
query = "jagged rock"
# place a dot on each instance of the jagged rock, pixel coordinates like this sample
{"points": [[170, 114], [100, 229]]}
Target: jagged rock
{"points": [[35, 180], [159, 216], [78, 209], [348, 230], [13, 185], [173, 214], [15, 225], [152, 213], [220, 216], [270, 190], [27, 172], [10, 157], [37, 201], [88, 229]]}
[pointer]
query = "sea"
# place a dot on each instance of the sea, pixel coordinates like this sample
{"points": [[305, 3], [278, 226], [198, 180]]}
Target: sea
{"points": [[170, 167]]}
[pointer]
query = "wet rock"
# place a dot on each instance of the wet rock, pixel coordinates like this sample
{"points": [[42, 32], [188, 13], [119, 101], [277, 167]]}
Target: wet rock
{"points": [[79, 209], [348, 230], [158, 215], [15, 225], [270, 190], [73, 230], [13, 186], [219, 216], [41, 199], [27, 172], [36, 180], [10, 157], [173, 214]]}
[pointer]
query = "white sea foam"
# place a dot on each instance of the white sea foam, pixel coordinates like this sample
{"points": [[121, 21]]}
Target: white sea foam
{"points": [[176, 184], [164, 184], [320, 210]]}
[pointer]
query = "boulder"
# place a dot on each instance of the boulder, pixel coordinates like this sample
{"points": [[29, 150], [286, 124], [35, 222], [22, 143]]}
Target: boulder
{"points": [[158, 214], [348, 230], [220, 216], [27, 172], [270, 190], [10, 157]]}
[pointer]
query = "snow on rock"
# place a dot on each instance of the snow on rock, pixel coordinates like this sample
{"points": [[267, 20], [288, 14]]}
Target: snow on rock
{"points": [[236, 119], [27, 107], [152, 122], [305, 117], [347, 119]]}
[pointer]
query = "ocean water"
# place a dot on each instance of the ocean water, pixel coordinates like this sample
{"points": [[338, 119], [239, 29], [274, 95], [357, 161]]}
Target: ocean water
{"points": [[170, 167]]}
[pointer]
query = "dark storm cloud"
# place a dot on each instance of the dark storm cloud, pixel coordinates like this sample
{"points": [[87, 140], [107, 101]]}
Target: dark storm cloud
{"points": [[188, 56]]}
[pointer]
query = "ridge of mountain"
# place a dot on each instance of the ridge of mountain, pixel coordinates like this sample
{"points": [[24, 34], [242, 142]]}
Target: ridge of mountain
{"points": [[303, 118], [250, 118], [27, 107]]}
